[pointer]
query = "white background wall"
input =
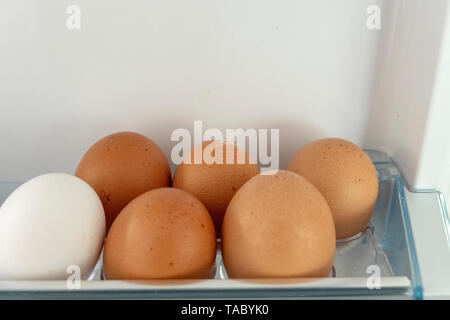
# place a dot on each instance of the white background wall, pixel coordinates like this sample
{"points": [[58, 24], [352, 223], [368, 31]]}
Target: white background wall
{"points": [[305, 67], [310, 68]]}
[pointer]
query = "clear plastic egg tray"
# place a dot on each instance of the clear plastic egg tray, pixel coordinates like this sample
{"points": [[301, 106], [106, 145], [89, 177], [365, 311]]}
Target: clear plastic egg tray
{"points": [[380, 262]]}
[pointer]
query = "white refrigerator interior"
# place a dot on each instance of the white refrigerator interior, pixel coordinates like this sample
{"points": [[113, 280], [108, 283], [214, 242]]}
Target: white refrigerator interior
{"points": [[311, 69]]}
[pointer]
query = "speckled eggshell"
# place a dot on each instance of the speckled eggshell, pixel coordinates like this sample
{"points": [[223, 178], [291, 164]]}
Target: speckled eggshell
{"points": [[278, 226], [122, 166], [346, 177], [214, 184], [163, 234]]}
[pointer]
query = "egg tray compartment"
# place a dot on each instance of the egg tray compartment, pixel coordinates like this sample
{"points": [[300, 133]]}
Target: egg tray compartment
{"points": [[385, 249]]}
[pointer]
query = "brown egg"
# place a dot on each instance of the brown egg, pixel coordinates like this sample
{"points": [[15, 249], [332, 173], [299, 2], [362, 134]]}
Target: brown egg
{"points": [[122, 166], [278, 226], [163, 234], [214, 184], [345, 176]]}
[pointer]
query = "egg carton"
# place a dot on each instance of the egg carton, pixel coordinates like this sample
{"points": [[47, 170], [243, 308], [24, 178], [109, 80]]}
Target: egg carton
{"points": [[381, 261]]}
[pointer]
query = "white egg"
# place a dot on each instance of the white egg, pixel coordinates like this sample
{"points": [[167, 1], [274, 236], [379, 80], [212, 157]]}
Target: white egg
{"points": [[51, 227]]}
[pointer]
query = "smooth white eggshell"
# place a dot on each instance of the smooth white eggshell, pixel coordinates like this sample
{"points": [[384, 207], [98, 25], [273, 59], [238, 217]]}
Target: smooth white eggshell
{"points": [[49, 224]]}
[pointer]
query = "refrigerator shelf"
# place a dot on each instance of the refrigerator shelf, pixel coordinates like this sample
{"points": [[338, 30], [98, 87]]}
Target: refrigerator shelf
{"points": [[381, 261]]}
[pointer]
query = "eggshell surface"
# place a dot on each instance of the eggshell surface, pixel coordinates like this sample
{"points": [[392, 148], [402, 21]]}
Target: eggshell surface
{"points": [[346, 177], [122, 166], [278, 226], [51, 227], [165, 233], [213, 183]]}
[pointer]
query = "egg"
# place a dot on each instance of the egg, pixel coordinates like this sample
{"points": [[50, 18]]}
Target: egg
{"points": [[214, 183], [122, 166], [345, 176], [277, 226], [51, 227], [165, 233]]}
